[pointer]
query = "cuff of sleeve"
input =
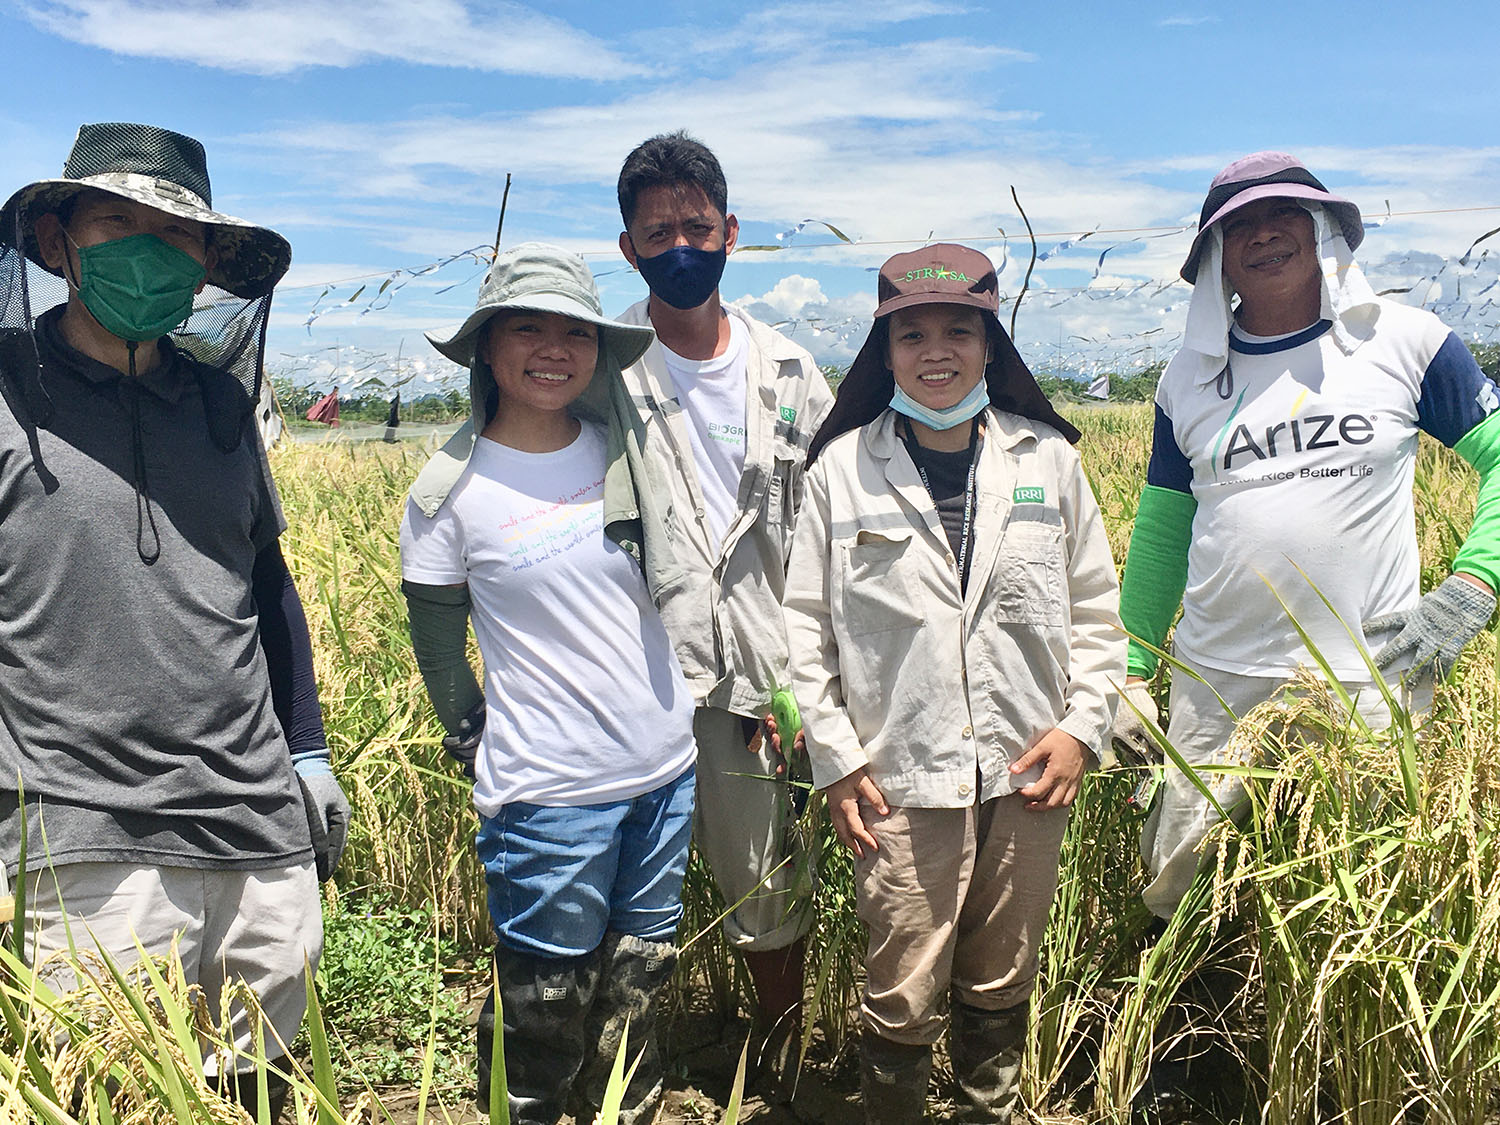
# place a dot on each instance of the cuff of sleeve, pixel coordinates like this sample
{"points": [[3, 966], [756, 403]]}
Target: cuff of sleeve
{"points": [[830, 765], [1140, 661], [311, 763], [1086, 728]]}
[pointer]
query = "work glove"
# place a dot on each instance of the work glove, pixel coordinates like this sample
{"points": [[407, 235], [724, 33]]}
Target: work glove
{"points": [[463, 743], [1131, 738], [327, 811], [1436, 629]]}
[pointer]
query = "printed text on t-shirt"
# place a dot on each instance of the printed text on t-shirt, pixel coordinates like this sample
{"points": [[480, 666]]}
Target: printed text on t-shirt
{"points": [[553, 529]]}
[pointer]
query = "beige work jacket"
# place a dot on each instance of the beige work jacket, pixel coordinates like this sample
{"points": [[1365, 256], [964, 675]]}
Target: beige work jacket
{"points": [[938, 692], [722, 608]]}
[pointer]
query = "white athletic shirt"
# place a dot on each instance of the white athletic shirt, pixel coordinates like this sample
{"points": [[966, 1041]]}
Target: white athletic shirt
{"points": [[711, 393], [1301, 460], [585, 701]]}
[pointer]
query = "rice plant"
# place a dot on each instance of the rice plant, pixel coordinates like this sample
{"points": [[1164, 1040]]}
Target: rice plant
{"points": [[1357, 905]]}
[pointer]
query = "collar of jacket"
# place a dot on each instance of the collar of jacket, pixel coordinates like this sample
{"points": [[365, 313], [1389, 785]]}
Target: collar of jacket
{"points": [[766, 340], [1002, 430], [441, 473]]}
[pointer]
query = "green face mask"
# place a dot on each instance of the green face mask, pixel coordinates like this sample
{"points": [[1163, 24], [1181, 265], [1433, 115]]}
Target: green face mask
{"points": [[137, 288]]}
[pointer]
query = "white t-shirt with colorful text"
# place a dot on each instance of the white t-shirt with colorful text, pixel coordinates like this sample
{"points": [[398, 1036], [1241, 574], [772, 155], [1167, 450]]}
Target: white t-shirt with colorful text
{"points": [[585, 700]]}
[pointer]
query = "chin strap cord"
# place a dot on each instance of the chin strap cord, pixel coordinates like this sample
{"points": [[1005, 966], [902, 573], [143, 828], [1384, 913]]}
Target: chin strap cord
{"points": [[144, 516]]}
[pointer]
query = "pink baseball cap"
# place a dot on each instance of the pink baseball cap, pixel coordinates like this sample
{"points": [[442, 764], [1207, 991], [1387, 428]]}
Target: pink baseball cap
{"points": [[1263, 175]]}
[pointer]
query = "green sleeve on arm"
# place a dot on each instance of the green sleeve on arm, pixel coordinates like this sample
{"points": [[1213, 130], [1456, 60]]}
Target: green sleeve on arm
{"points": [[1155, 571], [1480, 554], [440, 636]]}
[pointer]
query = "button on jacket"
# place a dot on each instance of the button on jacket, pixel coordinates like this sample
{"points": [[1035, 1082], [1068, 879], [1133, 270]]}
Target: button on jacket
{"points": [[937, 691], [722, 608]]}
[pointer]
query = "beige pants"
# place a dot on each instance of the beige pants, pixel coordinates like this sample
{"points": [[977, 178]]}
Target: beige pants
{"points": [[742, 827], [954, 898], [1172, 837], [254, 926]]}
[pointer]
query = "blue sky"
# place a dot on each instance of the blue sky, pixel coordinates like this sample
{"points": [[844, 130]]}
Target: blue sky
{"points": [[377, 135]]}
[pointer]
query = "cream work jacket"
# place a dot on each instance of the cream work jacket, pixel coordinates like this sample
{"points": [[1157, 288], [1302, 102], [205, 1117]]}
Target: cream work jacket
{"points": [[938, 692], [722, 609]]}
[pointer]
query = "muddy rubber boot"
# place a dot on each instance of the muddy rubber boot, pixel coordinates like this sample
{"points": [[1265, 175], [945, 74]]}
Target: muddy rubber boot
{"points": [[543, 1002], [633, 971], [893, 1080], [986, 1049]]}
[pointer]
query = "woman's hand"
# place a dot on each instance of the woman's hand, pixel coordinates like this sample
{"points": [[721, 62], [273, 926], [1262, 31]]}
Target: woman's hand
{"points": [[1062, 773], [844, 797]]}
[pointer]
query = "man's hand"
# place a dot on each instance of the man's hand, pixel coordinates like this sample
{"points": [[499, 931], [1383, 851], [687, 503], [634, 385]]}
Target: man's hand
{"points": [[844, 798], [1062, 757], [327, 813], [1437, 628], [773, 740], [1130, 736], [463, 744]]}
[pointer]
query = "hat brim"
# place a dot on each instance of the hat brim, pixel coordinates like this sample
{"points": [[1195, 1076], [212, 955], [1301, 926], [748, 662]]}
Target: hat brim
{"points": [[931, 297], [624, 343], [248, 259], [1351, 223]]}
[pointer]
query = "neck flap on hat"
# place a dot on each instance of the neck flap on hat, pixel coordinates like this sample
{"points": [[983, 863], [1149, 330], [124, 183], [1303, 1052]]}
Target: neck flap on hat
{"points": [[1346, 299]]}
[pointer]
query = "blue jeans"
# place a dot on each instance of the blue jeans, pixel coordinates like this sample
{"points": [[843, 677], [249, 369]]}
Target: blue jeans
{"points": [[559, 877]]}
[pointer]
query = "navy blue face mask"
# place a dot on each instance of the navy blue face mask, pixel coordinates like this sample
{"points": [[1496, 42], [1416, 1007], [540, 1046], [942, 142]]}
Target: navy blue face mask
{"points": [[684, 276]]}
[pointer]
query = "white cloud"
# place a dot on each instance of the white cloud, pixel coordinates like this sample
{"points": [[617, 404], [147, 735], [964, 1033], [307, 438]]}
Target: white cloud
{"points": [[280, 36], [792, 293], [1186, 21]]}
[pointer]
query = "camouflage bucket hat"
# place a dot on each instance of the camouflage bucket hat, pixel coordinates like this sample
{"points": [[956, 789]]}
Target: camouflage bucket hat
{"points": [[535, 277], [160, 169]]}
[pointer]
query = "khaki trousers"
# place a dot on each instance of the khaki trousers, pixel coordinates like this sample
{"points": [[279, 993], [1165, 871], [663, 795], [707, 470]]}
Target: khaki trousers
{"points": [[954, 899], [742, 827], [258, 927], [1200, 729]]}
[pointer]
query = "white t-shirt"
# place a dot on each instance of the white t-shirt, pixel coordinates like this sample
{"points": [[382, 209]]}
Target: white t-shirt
{"points": [[1301, 460], [585, 701], [711, 393]]}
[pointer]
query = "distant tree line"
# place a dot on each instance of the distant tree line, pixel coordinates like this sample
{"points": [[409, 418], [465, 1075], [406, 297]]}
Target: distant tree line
{"points": [[371, 404]]}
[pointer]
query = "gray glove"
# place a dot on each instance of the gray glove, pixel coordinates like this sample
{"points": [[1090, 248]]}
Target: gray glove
{"points": [[1130, 737], [327, 816], [463, 743], [1436, 629]]}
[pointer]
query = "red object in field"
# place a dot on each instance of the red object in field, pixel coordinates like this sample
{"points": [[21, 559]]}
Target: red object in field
{"points": [[326, 409]]}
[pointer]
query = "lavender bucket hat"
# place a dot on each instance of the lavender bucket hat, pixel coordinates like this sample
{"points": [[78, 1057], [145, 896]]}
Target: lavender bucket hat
{"points": [[1263, 175]]}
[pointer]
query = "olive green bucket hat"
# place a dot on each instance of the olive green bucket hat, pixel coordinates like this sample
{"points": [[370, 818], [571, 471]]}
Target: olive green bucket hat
{"points": [[163, 170], [535, 277]]}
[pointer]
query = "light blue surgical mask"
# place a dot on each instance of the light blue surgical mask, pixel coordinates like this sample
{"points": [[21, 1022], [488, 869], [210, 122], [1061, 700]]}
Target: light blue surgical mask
{"points": [[968, 407]]}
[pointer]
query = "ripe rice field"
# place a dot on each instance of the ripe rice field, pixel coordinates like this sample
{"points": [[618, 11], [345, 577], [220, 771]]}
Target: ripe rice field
{"points": [[1342, 963]]}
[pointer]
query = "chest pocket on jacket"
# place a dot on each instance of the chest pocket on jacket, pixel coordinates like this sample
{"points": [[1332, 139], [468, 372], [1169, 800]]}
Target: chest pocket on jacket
{"points": [[1029, 573], [786, 469], [882, 591]]}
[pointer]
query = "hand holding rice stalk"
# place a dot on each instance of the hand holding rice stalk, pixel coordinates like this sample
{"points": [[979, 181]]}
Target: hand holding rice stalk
{"points": [[784, 733]]}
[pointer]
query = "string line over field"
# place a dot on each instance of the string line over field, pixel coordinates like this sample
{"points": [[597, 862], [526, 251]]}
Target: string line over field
{"points": [[1462, 288]]}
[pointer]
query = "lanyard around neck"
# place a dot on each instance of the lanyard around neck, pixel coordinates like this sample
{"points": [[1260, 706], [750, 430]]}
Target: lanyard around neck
{"points": [[970, 493]]}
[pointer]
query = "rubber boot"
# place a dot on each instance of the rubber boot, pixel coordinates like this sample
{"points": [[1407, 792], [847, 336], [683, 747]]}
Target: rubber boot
{"points": [[986, 1049], [543, 1003], [777, 1043], [245, 1090], [633, 973], [893, 1080]]}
